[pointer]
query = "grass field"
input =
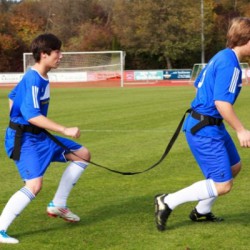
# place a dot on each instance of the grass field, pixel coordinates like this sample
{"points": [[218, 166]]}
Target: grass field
{"points": [[126, 129]]}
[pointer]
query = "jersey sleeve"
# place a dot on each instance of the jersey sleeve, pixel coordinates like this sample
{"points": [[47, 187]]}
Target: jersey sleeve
{"points": [[30, 107], [227, 78], [12, 93]]}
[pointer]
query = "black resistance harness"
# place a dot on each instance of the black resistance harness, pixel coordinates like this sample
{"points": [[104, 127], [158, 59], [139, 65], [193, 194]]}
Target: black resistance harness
{"points": [[20, 129], [205, 120]]}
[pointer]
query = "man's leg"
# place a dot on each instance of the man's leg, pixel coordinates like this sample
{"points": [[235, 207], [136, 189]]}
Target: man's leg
{"points": [[12, 209], [58, 206], [164, 204]]}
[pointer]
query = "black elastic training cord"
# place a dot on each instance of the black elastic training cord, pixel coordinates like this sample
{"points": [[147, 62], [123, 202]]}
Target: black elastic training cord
{"points": [[169, 146]]}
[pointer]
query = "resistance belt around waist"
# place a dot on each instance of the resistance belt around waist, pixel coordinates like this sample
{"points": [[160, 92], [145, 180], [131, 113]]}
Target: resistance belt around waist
{"points": [[36, 130], [20, 129], [205, 120]]}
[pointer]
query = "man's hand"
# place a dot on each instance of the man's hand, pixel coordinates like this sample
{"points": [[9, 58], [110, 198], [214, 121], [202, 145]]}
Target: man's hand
{"points": [[244, 138], [73, 132]]}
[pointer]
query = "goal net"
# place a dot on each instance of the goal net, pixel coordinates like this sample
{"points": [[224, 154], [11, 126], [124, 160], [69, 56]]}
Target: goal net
{"points": [[97, 66], [199, 66]]}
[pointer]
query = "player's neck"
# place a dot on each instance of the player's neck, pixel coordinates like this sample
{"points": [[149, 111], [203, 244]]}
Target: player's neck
{"points": [[43, 71], [235, 50], [242, 51]]}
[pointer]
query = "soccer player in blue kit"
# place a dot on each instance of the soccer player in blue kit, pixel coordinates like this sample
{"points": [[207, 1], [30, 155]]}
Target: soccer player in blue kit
{"points": [[218, 86], [31, 148]]}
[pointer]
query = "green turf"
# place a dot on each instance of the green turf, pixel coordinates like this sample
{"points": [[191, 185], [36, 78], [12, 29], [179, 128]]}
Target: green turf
{"points": [[126, 129]]}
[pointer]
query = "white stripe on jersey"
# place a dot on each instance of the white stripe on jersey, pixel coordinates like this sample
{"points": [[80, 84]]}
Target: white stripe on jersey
{"points": [[34, 96], [202, 79], [46, 93], [234, 80]]}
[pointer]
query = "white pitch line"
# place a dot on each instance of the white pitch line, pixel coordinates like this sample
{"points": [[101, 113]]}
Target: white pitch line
{"points": [[123, 131], [120, 130]]}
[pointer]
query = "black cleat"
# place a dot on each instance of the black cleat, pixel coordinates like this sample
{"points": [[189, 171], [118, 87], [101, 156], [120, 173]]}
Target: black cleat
{"points": [[197, 217], [162, 212]]}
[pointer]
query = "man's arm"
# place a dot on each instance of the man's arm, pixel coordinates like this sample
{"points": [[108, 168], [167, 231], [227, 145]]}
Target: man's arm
{"points": [[227, 112], [44, 122]]}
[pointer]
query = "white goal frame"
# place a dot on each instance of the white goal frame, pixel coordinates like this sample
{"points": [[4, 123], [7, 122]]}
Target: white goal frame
{"points": [[199, 66], [80, 66]]}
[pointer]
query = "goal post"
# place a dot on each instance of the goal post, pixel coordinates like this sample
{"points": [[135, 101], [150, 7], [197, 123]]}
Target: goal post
{"points": [[199, 66], [91, 66]]}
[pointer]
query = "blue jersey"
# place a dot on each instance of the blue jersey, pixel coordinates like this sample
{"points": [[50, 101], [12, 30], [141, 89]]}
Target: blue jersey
{"points": [[30, 97], [220, 80]]}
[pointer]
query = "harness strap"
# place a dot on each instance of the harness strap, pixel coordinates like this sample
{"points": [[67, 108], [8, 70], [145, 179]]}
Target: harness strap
{"points": [[205, 120], [27, 128], [20, 129], [169, 146]]}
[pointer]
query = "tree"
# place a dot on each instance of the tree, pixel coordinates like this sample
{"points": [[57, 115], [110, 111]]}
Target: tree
{"points": [[22, 22], [224, 11], [91, 37], [27, 22], [66, 16], [168, 30], [154, 34]]}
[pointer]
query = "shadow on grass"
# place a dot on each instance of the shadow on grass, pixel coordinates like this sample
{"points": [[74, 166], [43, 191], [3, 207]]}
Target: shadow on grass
{"points": [[134, 210]]}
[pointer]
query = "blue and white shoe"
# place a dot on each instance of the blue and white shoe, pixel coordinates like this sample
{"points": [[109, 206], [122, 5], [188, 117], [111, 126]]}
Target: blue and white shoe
{"points": [[5, 238], [61, 212]]}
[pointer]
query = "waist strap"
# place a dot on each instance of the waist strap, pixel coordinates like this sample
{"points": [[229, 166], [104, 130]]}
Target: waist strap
{"points": [[205, 120], [20, 129]]}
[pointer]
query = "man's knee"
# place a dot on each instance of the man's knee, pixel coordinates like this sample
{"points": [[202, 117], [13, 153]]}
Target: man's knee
{"points": [[81, 154], [236, 169], [86, 154], [224, 188], [35, 185]]}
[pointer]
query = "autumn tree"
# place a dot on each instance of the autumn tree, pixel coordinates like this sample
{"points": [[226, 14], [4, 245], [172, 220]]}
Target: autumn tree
{"points": [[94, 33], [21, 23], [154, 34], [162, 30], [224, 11]]}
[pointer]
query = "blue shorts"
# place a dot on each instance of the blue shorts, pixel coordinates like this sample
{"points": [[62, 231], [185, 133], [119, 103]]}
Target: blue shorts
{"points": [[214, 156], [37, 152]]}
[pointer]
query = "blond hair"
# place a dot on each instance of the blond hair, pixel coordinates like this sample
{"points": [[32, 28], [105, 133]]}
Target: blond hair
{"points": [[239, 32]]}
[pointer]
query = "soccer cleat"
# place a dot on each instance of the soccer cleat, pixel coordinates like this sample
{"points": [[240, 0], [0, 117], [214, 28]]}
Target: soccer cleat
{"points": [[197, 217], [5, 238], [62, 212], [162, 212]]}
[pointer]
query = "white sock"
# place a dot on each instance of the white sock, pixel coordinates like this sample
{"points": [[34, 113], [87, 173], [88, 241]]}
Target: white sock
{"points": [[15, 206], [205, 206], [200, 190], [68, 180]]}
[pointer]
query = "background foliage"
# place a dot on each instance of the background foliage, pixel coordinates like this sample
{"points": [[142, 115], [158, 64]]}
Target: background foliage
{"points": [[155, 34]]}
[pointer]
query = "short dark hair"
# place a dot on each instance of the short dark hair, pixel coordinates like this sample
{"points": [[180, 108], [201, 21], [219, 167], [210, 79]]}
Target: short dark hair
{"points": [[44, 43], [239, 32]]}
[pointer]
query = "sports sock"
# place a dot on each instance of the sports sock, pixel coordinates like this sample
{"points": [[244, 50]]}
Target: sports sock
{"points": [[205, 206], [15, 206], [196, 192], [68, 180]]}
